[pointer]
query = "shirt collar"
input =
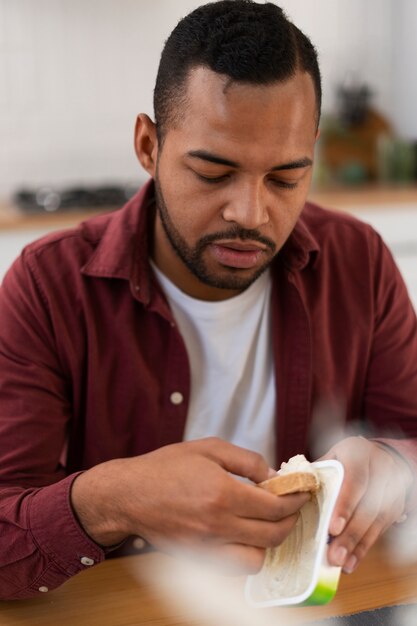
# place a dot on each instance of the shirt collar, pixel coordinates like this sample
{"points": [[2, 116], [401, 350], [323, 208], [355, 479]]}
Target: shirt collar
{"points": [[301, 247], [123, 243]]}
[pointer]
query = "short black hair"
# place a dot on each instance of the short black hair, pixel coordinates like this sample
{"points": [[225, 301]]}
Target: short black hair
{"points": [[246, 41]]}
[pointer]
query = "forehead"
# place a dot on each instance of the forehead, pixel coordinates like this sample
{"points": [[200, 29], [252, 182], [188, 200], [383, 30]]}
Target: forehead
{"points": [[243, 116]]}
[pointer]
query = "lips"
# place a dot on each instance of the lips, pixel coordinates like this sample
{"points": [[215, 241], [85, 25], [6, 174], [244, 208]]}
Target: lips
{"points": [[237, 254], [242, 245]]}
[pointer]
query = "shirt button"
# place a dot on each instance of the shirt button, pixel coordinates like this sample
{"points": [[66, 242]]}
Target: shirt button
{"points": [[139, 543], [43, 589], [176, 397], [85, 560]]}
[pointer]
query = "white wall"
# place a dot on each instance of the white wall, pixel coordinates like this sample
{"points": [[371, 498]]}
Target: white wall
{"points": [[74, 74], [404, 67], [352, 37]]}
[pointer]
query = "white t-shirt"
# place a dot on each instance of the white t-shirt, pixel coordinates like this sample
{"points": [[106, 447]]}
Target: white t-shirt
{"points": [[232, 374]]}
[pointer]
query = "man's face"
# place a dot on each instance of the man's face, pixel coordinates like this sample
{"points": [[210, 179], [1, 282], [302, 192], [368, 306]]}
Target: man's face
{"points": [[231, 179]]}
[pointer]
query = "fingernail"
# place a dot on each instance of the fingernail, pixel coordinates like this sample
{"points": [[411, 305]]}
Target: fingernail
{"points": [[337, 526], [351, 564], [340, 556]]}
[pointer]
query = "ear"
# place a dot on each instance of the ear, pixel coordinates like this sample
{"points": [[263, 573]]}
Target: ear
{"points": [[146, 143], [318, 134]]}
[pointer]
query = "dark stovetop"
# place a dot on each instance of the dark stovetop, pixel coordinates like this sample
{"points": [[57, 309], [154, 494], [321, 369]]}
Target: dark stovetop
{"points": [[48, 199]]}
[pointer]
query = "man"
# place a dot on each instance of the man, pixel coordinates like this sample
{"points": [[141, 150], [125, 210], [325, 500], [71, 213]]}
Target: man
{"points": [[149, 355]]}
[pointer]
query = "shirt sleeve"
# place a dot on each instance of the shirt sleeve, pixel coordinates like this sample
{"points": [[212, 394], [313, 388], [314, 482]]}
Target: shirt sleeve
{"points": [[390, 401], [41, 542]]}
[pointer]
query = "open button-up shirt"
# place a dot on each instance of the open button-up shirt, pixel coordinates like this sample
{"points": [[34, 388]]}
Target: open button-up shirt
{"points": [[93, 367]]}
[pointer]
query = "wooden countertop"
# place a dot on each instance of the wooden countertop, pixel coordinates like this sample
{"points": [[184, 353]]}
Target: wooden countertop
{"points": [[11, 218], [120, 592], [370, 196]]}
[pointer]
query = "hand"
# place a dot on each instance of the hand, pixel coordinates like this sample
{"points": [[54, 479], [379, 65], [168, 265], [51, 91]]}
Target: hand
{"points": [[372, 498], [183, 496]]}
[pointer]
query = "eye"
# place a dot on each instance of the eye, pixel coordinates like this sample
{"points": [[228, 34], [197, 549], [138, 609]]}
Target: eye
{"points": [[212, 179], [284, 184]]}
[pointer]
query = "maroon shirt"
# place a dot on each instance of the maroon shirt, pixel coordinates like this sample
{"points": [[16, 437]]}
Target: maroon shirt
{"points": [[90, 355]]}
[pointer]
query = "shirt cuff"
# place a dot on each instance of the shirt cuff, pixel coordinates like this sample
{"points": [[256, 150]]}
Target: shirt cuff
{"points": [[57, 532]]}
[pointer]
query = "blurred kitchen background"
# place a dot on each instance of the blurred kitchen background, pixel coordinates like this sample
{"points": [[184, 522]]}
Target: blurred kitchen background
{"points": [[75, 73]]}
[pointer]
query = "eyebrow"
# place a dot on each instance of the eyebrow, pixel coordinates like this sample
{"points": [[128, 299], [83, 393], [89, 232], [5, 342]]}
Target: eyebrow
{"points": [[214, 158]]}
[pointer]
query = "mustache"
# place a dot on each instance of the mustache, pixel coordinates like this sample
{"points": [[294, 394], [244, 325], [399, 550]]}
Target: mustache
{"points": [[236, 232]]}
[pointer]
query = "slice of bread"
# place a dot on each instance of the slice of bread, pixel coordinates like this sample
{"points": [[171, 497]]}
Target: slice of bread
{"points": [[293, 482]]}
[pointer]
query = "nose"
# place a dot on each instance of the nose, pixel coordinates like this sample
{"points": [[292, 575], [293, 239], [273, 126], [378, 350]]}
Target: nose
{"points": [[248, 205]]}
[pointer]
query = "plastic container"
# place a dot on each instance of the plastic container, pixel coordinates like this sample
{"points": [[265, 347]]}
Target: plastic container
{"points": [[297, 572]]}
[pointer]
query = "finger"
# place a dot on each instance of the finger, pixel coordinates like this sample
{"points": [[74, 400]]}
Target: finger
{"points": [[363, 519], [371, 518], [254, 503], [353, 454], [363, 547], [351, 493], [382, 522], [235, 459], [261, 534]]}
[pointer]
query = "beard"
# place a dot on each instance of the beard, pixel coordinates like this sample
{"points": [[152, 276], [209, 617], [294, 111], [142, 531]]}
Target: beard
{"points": [[193, 256]]}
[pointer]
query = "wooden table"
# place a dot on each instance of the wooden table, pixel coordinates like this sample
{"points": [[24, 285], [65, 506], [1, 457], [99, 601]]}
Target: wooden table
{"points": [[119, 593]]}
